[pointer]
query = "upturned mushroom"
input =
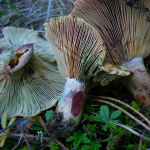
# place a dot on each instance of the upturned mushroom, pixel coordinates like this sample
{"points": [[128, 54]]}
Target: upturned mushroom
{"points": [[80, 54], [126, 34], [30, 81]]}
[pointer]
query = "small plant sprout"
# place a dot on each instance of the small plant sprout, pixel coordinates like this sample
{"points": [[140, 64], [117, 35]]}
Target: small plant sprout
{"points": [[78, 138], [40, 136], [53, 146], [104, 116], [126, 33], [82, 138], [48, 114], [30, 81], [80, 54]]}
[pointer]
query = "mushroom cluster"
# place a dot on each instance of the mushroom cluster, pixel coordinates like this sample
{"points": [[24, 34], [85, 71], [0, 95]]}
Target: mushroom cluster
{"points": [[126, 34], [29, 77], [80, 54]]}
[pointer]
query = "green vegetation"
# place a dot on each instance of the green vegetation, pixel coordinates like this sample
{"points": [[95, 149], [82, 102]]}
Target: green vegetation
{"points": [[97, 131], [98, 128]]}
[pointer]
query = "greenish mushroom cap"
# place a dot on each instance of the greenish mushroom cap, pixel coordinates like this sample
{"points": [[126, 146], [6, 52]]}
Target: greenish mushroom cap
{"points": [[30, 81]]}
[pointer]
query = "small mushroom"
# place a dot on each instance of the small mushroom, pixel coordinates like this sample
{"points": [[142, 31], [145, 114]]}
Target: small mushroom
{"points": [[30, 81], [126, 34], [80, 54]]}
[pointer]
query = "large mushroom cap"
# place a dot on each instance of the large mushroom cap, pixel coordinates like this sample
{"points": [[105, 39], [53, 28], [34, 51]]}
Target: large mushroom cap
{"points": [[126, 33], [40, 84], [124, 30], [15, 38], [78, 48]]}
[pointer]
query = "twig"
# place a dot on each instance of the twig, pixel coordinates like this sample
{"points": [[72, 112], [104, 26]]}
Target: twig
{"points": [[48, 10], [119, 136], [43, 125], [42, 122], [61, 12], [19, 13], [16, 122], [18, 142], [113, 92], [82, 121], [11, 135], [65, 148], [62, 3], [25, 139], [141, 140], [116, 100], [124, 111], [122, 125], [44, 146]]}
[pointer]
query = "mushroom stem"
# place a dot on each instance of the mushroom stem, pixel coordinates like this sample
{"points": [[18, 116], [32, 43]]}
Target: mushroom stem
{"points": [[72, 100], [139, 83], [69, 109], [14, 67]]}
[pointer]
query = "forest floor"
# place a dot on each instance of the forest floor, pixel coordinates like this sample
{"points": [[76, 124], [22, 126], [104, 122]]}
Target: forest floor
{"points": [[97, 129]]}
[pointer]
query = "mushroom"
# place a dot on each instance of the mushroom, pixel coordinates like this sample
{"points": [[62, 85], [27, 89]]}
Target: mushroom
{"points": [[80, 54], [126, 34], [30, 81]]}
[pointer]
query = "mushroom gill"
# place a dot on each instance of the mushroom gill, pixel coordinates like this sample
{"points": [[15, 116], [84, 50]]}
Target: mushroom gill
{"points": [[126, 34], [30, 81], [80, 54]]}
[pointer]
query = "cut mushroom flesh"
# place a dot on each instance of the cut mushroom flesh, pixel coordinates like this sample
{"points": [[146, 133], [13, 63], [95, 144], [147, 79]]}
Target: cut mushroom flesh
{"points": [[14, 66]]}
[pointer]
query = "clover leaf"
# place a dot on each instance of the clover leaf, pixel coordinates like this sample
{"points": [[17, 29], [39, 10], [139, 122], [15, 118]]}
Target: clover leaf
{"points": [[104, 116], [78, 139]]}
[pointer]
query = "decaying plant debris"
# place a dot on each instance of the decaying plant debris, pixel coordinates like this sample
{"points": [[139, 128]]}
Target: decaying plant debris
{"points": [[137, 5]]}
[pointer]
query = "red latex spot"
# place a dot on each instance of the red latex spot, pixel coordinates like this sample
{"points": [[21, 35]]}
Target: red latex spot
{"points": [[140, 71], [135, 88], [77, 104], [144, 87], [140, 99]]}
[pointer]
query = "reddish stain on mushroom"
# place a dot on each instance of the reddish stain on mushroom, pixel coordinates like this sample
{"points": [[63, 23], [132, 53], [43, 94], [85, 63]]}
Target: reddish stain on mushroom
{"points": [[77, 104], [134, 87], [144, 87], [140, 99], [140, 71]]}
